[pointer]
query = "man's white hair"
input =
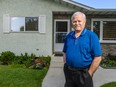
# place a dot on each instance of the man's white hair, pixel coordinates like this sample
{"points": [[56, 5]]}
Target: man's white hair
{"points": [[78, 13]]}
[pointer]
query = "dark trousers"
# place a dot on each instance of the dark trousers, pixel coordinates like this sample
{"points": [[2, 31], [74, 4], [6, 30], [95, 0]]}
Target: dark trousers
{"points": [[77, 77]]}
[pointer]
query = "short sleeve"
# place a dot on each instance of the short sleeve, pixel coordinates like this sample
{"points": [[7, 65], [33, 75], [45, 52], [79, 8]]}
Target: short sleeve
{"points": [[95, 45], [64, 47]]}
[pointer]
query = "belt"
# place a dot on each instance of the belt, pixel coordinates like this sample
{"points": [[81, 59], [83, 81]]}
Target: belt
{"points": [[78, 69]]}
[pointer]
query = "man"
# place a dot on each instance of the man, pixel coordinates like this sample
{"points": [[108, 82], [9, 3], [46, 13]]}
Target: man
{"points": [[82, 53]]}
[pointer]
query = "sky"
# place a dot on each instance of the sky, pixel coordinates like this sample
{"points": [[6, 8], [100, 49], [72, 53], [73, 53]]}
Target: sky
{"points": [[99, 4]]}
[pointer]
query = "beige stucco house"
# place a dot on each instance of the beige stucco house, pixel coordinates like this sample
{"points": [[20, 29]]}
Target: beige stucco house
{"points": [[39, 26]]}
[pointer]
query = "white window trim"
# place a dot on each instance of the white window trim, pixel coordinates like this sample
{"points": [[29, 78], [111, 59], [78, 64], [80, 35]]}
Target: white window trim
{"points": [[41, 26], [58, 46], [101, 29], [64, 20], [6, 23], [24, 26]]}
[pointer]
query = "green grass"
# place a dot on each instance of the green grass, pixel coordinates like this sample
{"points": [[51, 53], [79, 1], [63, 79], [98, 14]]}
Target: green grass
{"points": [[21, 77], [111, 84]]}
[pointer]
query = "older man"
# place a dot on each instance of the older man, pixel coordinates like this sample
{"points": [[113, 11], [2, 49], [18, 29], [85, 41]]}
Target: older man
{"points": [[82, 53]]}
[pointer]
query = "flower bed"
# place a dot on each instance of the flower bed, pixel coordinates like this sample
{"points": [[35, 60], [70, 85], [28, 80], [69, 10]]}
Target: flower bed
{"points": [[109, 61]]}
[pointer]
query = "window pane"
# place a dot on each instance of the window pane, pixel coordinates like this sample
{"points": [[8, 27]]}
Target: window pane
{"points": [[60, 37], [17, 23], [31, 24], [61, 26], [96, 27], [109, 30]]}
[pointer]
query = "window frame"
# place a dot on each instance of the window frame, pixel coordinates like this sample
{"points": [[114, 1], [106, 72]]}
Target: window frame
{"points": [[101, 29]]}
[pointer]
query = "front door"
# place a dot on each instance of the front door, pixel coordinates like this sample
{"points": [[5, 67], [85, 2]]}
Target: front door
{"points": [[61, 28]]}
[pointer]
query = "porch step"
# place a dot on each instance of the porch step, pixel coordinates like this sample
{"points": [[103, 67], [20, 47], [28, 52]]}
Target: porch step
{"points": [[58, 54]]}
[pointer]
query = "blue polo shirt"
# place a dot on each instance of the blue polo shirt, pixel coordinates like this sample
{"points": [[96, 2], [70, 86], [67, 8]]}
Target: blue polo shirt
{"points": [[81, 51]]}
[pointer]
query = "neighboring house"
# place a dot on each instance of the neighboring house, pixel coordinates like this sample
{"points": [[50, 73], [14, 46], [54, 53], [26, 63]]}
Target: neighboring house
{"points": [[39, 26]]}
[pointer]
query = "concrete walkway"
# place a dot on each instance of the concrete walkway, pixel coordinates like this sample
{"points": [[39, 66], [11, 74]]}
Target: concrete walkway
{"points": [[55, 75]]}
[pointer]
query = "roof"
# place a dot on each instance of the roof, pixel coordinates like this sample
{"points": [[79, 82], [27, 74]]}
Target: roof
{"points": [[78, 4], [86, 9]]}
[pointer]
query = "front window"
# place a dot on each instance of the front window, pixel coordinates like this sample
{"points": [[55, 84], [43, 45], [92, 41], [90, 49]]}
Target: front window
{"points": [[105, 29], [21, 24], [109, 30]]}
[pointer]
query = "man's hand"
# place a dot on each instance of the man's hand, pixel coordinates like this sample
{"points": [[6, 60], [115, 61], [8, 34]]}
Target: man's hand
{"points": [[94, 65]]}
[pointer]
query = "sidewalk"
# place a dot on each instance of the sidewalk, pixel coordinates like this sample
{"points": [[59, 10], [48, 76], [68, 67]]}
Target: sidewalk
{"points": [[55, 75], [103, 76]]}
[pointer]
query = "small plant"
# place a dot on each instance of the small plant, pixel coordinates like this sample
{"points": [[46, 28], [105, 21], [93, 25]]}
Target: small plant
{"points": [[111, 57], [7, 57], [109, 61], [25, 59], [41, 62], [29, 59]]}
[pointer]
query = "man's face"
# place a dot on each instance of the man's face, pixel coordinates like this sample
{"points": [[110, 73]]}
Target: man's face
{"points": [[78, 22]]}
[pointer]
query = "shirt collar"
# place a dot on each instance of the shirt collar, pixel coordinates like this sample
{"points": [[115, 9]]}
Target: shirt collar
{"points": [[82, 33]]}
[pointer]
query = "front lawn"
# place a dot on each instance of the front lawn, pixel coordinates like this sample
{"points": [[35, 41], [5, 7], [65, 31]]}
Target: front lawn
{"points": [[23, 70], [111, 84], [21, 77]]}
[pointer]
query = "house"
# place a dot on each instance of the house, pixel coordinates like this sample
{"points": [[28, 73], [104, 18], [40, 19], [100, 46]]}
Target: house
{"points": [[40, 26]]}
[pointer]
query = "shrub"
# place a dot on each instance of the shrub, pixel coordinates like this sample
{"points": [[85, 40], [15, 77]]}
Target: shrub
{"points": [[7, 57], [111, 57], [47, 60], [25, 59], [29, 59], [41, 62], [109, 61]]}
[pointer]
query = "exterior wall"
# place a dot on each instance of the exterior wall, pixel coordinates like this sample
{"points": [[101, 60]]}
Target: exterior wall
{"points": [[37, 43]]}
